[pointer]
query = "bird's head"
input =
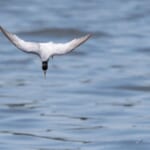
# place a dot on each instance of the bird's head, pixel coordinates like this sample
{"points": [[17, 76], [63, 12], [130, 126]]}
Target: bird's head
{"points": [[44, 67]]}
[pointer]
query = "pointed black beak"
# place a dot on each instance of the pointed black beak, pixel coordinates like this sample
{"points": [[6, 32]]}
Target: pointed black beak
{"points": [[44, 67], [45, 74]]}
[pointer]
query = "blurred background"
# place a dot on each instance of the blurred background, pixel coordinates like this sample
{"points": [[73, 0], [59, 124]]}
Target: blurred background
{"points": [[96, 98]]}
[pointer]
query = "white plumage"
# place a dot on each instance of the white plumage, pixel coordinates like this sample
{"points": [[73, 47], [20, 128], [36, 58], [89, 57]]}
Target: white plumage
{"points": [[44, 50]]}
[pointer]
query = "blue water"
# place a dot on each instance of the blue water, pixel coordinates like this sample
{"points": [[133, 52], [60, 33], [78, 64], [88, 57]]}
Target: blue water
{"points": [[96, 98]]}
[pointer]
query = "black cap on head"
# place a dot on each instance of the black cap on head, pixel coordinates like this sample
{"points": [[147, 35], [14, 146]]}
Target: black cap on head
{"points": [[44, 65]]}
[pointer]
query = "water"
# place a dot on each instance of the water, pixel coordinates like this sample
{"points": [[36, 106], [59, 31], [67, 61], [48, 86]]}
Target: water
{"points": [[97, 97]]}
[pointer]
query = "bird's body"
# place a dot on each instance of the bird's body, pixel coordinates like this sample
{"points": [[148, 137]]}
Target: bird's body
{"points": [[44, 50]]}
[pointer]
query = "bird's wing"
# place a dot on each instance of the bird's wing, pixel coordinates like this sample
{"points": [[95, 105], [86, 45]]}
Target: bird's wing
{"points": [[59, 49], [29, 47]]}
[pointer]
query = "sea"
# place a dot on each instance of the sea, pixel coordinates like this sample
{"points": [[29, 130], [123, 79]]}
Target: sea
{"points": [[95, 98]]}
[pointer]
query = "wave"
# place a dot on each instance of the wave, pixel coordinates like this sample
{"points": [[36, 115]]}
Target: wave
{"points": [[63, 31]]}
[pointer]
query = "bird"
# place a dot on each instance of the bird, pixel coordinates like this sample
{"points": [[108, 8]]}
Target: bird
{"points": [[44, 50]]}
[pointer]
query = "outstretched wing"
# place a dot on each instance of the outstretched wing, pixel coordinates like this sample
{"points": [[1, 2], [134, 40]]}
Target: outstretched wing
{"points": [[60, 49], [29, 47]]}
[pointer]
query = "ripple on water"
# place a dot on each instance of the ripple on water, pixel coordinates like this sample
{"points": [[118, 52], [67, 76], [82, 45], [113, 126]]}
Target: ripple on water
{"points": [[137, 88]]}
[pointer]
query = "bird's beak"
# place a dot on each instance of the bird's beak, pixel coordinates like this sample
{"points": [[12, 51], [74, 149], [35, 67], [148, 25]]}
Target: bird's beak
{"points": [[45, 74]]}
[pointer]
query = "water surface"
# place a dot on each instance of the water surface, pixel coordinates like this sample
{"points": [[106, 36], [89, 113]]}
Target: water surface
{"points": [[94, 98]]}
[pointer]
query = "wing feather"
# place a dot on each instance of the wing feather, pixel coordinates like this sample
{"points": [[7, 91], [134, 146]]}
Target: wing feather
{"points": [[29, 47], [70, 46]]}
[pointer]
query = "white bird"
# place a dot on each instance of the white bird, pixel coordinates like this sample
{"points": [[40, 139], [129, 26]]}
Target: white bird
{"points": [[44, 50]]}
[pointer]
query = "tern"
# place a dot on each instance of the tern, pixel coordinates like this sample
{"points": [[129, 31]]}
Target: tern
{"points": [[44, 50]]}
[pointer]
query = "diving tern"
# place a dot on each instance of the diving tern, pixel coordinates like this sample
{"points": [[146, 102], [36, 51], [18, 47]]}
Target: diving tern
{"points": [[44, 50]]}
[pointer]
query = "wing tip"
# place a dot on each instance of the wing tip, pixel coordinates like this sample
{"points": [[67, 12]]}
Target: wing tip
{"points": [[2, 29], [88, 36]]}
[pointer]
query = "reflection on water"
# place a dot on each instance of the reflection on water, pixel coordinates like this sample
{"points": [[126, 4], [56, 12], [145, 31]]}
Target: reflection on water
{"points": [[94, 98]]}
